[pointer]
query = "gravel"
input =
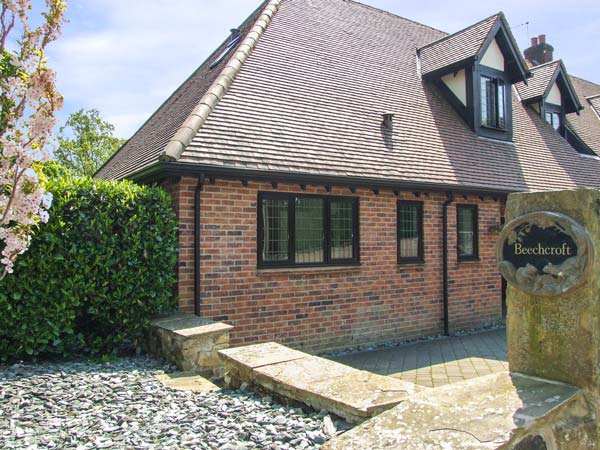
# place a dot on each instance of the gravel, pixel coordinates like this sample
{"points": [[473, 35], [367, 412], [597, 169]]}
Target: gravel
{"points": [[81, 405]]}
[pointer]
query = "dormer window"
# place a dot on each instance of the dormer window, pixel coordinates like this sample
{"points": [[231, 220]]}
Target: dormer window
{"points": [[474, 69], [554, 118], [493, 108], [551, 95]]}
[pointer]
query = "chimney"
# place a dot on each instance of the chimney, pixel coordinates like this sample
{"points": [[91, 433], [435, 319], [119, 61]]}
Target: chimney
{"points": [[540, 52]]}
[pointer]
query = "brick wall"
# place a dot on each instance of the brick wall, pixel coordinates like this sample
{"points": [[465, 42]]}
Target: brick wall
{"points": [[329, 308]]}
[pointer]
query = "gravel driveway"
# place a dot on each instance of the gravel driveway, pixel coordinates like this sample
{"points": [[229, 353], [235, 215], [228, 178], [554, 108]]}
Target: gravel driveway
{"points": [[121, 405]]}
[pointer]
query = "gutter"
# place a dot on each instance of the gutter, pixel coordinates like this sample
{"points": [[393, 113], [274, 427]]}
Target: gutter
{"points": [[445, 259], [197, 204], [168, 169]]}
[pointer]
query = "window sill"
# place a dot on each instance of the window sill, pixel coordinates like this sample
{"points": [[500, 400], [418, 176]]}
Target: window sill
{"points": [[487, 127], [496, 140], [583, 155], [413, 262], [468, 259], [301, 269]]}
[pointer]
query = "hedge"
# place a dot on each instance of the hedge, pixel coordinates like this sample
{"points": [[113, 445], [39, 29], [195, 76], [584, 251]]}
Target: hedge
{"points": [[94, 274]]}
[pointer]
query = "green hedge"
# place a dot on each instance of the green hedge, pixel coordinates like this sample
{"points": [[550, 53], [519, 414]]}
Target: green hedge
{"points": [[93, 275]]}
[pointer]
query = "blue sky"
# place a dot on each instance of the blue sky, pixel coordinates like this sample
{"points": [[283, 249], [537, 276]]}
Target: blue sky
{"points": [[125, 57]]}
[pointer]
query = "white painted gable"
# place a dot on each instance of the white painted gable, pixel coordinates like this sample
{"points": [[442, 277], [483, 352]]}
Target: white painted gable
{"points": [[493, 57], [554, 96], [457, 83]]}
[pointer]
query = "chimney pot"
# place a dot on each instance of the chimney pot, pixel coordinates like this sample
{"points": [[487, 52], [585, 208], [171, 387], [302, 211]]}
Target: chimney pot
{"points": [[534, 41], [542, 38]]}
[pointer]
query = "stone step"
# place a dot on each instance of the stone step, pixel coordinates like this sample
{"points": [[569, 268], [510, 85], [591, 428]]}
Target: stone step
{"points": [[499, 411], [353, 394], [188, 341]]}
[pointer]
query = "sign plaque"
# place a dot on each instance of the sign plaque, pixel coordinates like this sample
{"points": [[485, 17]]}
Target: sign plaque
{"points": [[544, 253]]}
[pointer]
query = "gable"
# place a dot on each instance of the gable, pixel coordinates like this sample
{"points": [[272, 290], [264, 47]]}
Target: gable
{"points": [[554, 95], [457, 83], [493, 57]]}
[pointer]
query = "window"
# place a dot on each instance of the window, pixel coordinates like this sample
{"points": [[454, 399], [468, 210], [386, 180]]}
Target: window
{"points": [[493, 114], [410, 231], [306, 230], [467, 235], [553, 119], [553, 115]]}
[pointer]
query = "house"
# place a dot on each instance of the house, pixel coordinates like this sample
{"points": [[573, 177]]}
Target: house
{"points": [[340, 172]]}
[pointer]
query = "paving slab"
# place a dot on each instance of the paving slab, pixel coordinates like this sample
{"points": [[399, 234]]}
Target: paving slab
{"points": [[186, 381], [490, 412], [436, 362], [352, 394]]}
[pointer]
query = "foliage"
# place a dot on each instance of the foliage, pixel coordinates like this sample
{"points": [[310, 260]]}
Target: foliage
{"points": [[94, 274], [91, 144], [28, 102]]}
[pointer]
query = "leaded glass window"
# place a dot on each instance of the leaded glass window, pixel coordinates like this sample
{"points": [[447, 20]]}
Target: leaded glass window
{"points": [[342, 229], [275, 232], [493, 112], [410, 231], [307, 230], [467, 236]]}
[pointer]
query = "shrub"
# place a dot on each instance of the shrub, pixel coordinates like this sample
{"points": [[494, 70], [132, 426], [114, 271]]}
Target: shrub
{"points": [[94, 274]]}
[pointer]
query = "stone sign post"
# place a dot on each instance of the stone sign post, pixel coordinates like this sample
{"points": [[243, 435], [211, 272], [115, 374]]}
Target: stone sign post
{"points": [[547, 254]]}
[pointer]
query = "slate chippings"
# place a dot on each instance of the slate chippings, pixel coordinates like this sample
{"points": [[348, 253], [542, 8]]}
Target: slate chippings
{"points": [[77, 405]]}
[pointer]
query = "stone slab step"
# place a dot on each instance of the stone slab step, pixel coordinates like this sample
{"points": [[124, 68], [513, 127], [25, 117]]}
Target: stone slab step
{"points": [[188, 341], [499, 411], [320, 383]]}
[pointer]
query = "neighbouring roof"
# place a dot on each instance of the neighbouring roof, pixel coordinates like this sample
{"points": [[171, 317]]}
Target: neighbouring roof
{"points": [[543, 77], [309, 100], [539, 83], [595, 103], [587, 124]]}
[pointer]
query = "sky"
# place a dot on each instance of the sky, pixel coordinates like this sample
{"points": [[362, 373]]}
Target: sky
{"points": [[125, 57]]}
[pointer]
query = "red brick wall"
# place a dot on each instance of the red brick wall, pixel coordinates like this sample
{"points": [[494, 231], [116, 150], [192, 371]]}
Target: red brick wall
{"points": [[330, 308]]}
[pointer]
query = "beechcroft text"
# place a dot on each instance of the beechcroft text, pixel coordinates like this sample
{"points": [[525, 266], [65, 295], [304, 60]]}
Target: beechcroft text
{"points": [[539, 250]]}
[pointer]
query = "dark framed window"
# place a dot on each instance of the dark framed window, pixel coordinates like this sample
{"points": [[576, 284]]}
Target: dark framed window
{"points": [[306, 230], [493, 102], [553, 118], [410, 231], [553, 115], [467, 238]]}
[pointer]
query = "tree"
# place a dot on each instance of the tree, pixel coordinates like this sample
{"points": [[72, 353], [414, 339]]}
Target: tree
{"points": [[90, 145], [28, 102]]}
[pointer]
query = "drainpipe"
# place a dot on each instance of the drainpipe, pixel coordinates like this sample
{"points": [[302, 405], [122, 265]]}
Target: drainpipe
{"points": [[197, 294], [445, 258]]}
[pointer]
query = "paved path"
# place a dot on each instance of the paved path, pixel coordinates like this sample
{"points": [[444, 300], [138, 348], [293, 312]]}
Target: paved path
{"points": [[438, 362]]}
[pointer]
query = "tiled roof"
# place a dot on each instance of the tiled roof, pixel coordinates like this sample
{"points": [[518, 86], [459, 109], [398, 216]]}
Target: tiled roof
{"points": [[537, 85], [456, 47], [587, 124], [309, 100]]}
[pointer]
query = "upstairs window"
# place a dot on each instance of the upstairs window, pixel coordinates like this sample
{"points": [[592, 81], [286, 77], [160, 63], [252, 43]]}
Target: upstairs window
{"points": [[493, 104], [553, 118], [467, 234], [306, 230], [410, 231]]}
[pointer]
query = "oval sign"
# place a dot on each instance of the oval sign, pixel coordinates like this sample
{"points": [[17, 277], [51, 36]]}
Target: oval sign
{"points": [[544, 253]]}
